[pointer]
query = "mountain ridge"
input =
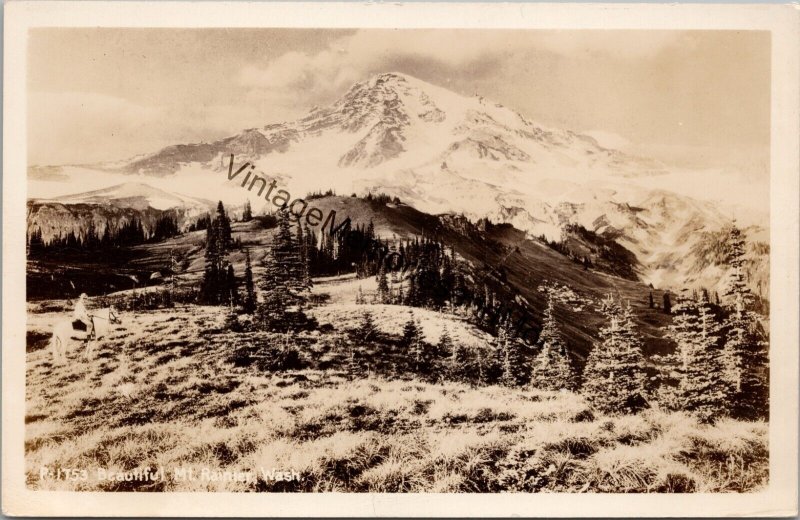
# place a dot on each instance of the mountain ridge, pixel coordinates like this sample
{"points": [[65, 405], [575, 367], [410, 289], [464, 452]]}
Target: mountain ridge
{"points": [[446, 153], [133, 193], [111, 207]]}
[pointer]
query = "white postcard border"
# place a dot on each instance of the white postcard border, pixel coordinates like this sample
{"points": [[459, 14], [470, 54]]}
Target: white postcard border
{"points": [[780, 499]]}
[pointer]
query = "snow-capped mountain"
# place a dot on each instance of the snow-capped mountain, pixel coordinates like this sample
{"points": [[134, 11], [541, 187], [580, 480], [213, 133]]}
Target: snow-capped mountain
{"points": [[443, 152], [399, 122]]}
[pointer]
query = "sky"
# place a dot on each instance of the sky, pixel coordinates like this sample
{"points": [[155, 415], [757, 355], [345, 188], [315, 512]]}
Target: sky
{"points": [[696, 99]]}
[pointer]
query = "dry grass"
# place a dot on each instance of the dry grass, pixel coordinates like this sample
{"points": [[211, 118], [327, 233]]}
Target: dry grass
{"points": [[165, 391]]}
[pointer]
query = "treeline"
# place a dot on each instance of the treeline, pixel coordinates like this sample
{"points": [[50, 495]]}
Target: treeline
{"points": [[319, 194], [425, 273], [131, 232], [267, 220], [420, 272], [381, 198], [202, 222], [351, 249], [602, 252], [378, 198]]}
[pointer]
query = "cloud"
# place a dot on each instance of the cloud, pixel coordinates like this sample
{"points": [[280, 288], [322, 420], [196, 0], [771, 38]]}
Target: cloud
{"points": [[291, 70], [84, 128], [351, 58], [320, 75], [78, 126]]}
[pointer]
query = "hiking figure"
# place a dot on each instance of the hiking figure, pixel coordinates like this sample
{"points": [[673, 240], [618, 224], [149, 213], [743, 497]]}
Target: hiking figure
{"points": [[82, 320], [84, 327]]}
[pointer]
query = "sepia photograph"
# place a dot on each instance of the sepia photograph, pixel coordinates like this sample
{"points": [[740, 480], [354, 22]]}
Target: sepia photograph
{"points": [[400, 260]]}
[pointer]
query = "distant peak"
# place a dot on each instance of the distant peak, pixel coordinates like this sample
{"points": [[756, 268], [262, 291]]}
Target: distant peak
{"points": [[134, 185], [390, 79], [389, 76]]}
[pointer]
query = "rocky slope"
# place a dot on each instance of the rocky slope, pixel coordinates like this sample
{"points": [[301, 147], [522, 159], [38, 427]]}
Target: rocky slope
{"points": [[112, 206]]}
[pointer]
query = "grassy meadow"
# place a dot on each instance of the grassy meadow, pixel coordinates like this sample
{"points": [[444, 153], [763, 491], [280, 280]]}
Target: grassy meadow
{"points": [[174, 389]]}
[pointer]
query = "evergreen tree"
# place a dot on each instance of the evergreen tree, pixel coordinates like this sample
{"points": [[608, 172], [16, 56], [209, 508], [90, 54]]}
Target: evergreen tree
{"points": [[551, 368], [698, 361], [667, 304], [36, 243], [302, 246], [328, 251], [444, 290], [614, 376], [310, 254], [215, 288], [223, 224], [486, 368], [412, 295], [232, 320], [737, 294], [420, 355], [288, 253], [514, 371], [230, 282], [445, 345], [211, 243], [284, 289], [366, 331], [91, 240], [650, 302], [461, 365], [247, 212], [106, 241], [166, 226], [274, 289], [209, 290], [459, 294], [383, 285], [249, 287], [746, 353]]}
